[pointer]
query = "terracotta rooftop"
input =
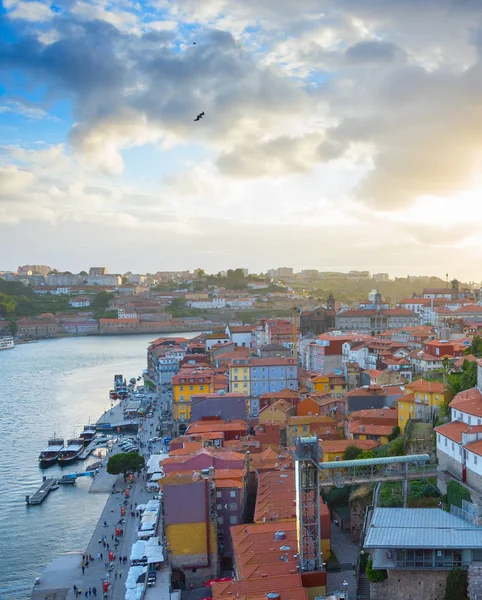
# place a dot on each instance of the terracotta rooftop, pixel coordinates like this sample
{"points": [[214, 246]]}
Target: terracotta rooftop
{"points": [[289, 587], [422, 385], [342, 445], [469, 401], [358, 428], [216, 426], [453, 431]]}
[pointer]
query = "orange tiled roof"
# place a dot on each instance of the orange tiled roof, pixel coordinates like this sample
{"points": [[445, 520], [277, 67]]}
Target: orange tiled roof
{"points": [[355, 428], [422, 385], [342, 445], [469, 401], [453, 431]]}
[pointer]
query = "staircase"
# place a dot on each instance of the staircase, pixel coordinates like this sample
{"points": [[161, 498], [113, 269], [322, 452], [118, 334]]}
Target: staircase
{"points": [[363, 591]]}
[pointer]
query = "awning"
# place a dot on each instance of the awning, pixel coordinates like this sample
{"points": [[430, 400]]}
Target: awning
{"points": [[138, 551], [154, 551]]}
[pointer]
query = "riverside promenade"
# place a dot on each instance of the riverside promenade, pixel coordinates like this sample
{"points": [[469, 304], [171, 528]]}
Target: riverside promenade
{"points": [[102, 570]]}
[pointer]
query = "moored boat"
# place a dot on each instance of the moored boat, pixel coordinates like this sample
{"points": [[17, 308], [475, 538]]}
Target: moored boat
{"points": [[88, 434], [72, 451], [6, 343], [51, 454]]}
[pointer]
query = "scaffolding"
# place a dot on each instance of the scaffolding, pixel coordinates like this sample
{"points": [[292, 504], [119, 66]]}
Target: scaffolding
{"points": [[308, 503]]}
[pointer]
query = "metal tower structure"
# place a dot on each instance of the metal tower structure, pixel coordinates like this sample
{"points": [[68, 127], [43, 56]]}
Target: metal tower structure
{"points": [[308, 503], [311, 476]]}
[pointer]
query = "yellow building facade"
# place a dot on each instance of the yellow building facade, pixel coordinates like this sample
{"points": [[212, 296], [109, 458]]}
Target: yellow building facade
{"points": [[185, 385]]}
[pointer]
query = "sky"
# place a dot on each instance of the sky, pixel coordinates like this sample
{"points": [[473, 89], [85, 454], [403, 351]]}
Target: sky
{"points": [[336, 135]]}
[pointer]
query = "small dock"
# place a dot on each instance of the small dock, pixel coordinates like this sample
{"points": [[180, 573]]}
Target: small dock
{"points": [[42, 493], [87, 451]]}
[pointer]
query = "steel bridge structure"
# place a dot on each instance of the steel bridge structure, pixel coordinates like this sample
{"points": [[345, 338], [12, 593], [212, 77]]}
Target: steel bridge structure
{"points": [[313, 475]]}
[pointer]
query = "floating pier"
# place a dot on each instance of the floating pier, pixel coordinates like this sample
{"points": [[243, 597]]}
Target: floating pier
{"points": [[44, 490]]}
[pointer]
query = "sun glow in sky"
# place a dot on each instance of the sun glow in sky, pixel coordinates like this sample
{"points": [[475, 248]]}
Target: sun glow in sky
{"points": [[337, 135]]}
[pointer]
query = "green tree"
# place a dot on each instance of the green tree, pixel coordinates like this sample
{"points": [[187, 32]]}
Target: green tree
{"points": [[125, 462], [375, 575], [475, 347], [456, 585], [352, 453], [456, 493], [7, 305], [13, 327], [83, 273], [102, 300], [395, 433], [468, 378]]}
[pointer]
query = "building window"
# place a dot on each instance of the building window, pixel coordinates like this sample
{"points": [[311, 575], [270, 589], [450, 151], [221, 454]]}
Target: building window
{"points": [[337, 458], [218, 494], [219, 506], [469, 420], [232, 494], [220, 520], [445, 441], [201, 387], [475, 460], [233, 506], [181, 387], [453, 446], [233, 519]]}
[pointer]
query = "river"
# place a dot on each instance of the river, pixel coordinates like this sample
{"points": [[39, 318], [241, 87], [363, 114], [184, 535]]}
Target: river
{"points": [[46, 387]]}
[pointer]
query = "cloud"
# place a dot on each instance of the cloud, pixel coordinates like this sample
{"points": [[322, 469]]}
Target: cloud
{"points": [[311, 108], [14, 181], [30, 11]]}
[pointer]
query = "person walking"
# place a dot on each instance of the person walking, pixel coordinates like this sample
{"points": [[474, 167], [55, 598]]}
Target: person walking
{"points": [[83, 569], [94, 591]]}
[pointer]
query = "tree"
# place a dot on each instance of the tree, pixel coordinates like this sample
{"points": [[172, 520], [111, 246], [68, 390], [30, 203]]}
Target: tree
{"points": [[456, 585], [12, 325], [83, 273], [7, 305], [475, 347], [395, 433], [468, 378], [125, 462], [352, 453], [102, 300], [375, 575]]}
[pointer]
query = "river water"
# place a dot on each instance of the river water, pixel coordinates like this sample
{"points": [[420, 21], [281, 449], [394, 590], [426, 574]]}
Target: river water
{"points": [[45, 387]]}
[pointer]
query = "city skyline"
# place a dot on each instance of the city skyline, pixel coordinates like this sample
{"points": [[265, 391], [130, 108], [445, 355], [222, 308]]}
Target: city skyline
{"points": [[336, 136]]}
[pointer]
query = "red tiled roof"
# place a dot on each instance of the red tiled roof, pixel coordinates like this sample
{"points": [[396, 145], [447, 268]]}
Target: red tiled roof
{"points": [[422, 385], [355, 428], [342, 445], [452, 431], [469, 401]]}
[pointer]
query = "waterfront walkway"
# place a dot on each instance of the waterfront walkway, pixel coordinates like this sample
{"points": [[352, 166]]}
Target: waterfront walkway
{"points": [[101, 569]]}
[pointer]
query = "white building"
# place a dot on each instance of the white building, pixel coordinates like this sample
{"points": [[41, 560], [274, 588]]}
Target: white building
{"points": [[355, 352], [215, 339], [79, 301], [123, 314], [241, 335], [208, 304], [104, 280], [459, 443], [240, 302]]}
